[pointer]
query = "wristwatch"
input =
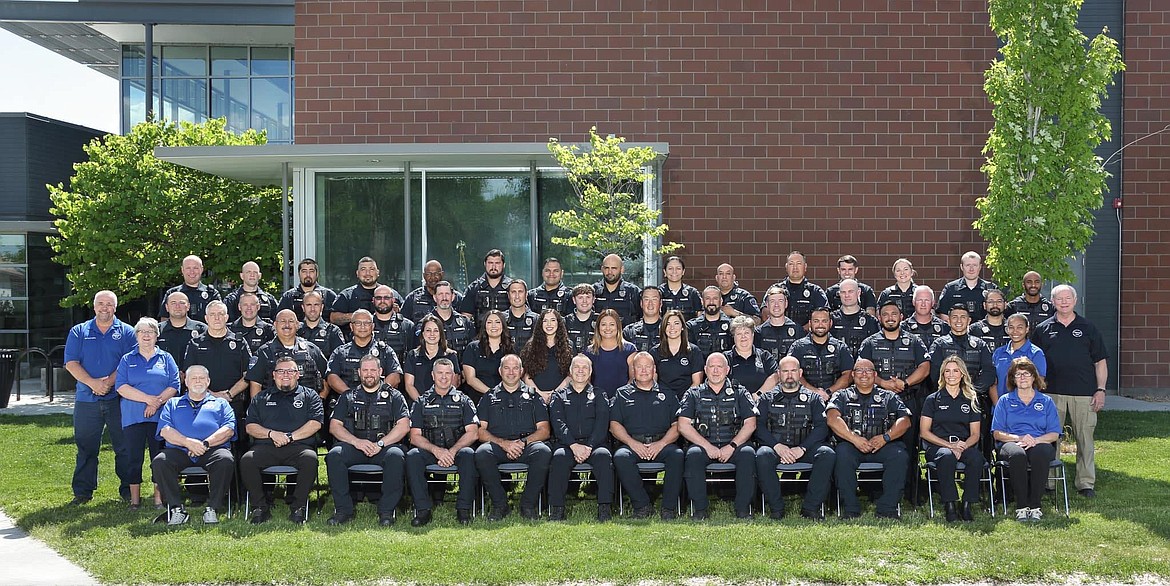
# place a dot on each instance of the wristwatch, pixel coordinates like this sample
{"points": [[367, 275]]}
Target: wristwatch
{"points": [[289, 436], [381, 444], [205, 444], [733, 445], [886, 437]]}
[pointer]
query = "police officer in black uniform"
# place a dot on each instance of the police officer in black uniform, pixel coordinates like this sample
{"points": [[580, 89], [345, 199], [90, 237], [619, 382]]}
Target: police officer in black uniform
{"points": [[851, 323], [847, 269], [579, 416], [458, 329], [803, 295], [311, 364], [360, 295], [710, 332], [719, 420], [1032, 302], [369, 424], [968, 290], [326, 336], [582, 321], [643, 420], [976, 355], [992, 329], [923, 322], [777, 333], [294, 297], [552, 292], [177, 330], [614, 292], [737, 301], [226, 359], [197, 293], [513, 426], [422, 300], [825, 361], [283, 422], [521, 320], [643, 334], [488, 291], [867, 420], [675, 293], [752, 367], [792, 430], [250, 282], [902, 291], [343, 373], [249, 327], [443, 427], [390, 325]]}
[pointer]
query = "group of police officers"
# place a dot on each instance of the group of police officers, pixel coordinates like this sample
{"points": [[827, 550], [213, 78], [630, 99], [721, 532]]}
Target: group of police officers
{"points": [[844, 371]]}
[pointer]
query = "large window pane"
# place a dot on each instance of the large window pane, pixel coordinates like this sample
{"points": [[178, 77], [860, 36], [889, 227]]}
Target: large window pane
{"points": [[555, 193], [134, 60], [46, 286], [229, 99], [13, 314], [13, 281], [360, 214], [271, 61], [229, 61], [481, 210], [134, 102], [184, 100], [180, 61], [272, 108], [12, 248]]}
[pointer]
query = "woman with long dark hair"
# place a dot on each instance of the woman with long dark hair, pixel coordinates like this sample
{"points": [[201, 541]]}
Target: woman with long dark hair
{"points": [[481, 359], [679, 364], [547, 356], [432, 345]]}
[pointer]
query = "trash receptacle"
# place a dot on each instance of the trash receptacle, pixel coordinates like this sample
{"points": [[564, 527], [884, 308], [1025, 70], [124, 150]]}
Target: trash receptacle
{"points": [[8, 358]]}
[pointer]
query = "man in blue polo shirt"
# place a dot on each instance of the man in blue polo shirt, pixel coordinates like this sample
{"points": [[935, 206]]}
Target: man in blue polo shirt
{"points": [[92, 352], [198, 429]]}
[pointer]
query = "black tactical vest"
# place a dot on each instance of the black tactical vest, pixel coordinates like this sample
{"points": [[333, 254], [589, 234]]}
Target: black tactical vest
{"points": [[442, 418]]}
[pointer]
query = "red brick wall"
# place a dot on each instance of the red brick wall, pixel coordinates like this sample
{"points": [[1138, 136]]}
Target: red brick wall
{"points": [[830, 126], [1145, 307]]}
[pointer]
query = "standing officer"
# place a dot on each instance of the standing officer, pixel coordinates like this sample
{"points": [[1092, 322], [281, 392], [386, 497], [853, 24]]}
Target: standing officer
{"points": [[487, 292], [825, 361], [777, 333], [521, 319], [344, 372], [791, 430], [197, 293], [644, 422], [283, 421], [250, 327], [803, 295], [176, 331], [614, 292], [583, 320], [902, 291], [923, 322], [552, 292], [851, 323], [867, 420], [737, 301], [369, 423], [225, 357], [459, 329], [710, 332], [250, 282], [360, 295], [992, 329], [579, 416], [974, 352], [643, 334], [513, 426], [390, 325], [292, 299], [675, 293], [718, 419], [92, 353], [967, 290], [311, 364], [422, 300], [847, 270], [443, 427], [1032, 302], [326, 336], [1077, 373]]}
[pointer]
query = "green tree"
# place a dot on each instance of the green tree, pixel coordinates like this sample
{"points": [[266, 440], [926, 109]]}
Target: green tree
{"points": [[127, 219], [1044, 179], [605, 218]]}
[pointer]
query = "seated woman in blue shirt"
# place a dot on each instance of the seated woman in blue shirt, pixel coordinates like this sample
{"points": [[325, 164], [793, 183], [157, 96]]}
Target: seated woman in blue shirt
{"points": [[1018, 329], [1026, 428], [147, 377]]}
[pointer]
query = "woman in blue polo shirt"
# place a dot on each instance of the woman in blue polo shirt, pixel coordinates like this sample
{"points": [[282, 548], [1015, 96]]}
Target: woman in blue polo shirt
{"points": [[147, 377], [1017, 329], [1026, 427]]}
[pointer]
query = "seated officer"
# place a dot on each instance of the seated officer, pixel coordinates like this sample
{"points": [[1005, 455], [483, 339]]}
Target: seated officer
{"points": [[579, 415], [443, 427], [792, 429], [369, 423], [197, 429], [513, 425], [283, 421], [867, 419], [718, 419], [644, 419]]}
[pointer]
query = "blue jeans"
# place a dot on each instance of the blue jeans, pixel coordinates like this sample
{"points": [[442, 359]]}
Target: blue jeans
{"points": [[90, 419]]}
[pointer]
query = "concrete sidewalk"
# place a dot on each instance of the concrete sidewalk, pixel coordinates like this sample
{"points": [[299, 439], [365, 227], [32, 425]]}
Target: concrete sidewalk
{"points": [[25, 560]]}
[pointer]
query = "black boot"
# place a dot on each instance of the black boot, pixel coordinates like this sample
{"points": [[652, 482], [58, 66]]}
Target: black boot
{"points": [[556, 514], [967, 513], [952, 512]]}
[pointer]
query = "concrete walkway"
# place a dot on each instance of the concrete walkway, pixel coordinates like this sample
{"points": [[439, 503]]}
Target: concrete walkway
{"points": [[25, 560]]}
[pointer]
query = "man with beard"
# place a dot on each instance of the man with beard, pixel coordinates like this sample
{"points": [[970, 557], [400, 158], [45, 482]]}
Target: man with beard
{"points": [[923, 322], [967, 290], [249, 327], [520, 319], [644, 423], [198, 294], [792, 430], [710, 332], [444, 426], [324, 335], [825, 362], [360, 295], [583, 320], [459, 329], [250, 283], [737, 301], [292, 299], [176, 331], [552, 292], [777, 333], [309, 360], [847, 270], [643, 333], [614, 292], [422, 300], [1032, 302], [488, 291], [369, 423], [344, 370], [991, 329], [852, 324], [283, 422], [391, 326]]}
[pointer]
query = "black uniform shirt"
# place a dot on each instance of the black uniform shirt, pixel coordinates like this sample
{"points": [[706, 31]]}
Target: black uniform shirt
{"points": [[560, 299], [459, 331], [778, 339], [1072, 352], [904, 299], [854, 328], [803, 297], [325, 336], [751, 372], [957, 292], [293, 298], [430, 398], [487, 368], [386, 401], [197, 297], [994, 336], [226, 358], [302, 351], [346, 359], [687, 299], [268, 303], [358, 296], [420, 365], [397, 331], [675, 370], [905, 353], [975, 354], [703, 397], [521, 327], [928, 332], [742, 301], [579, 417], [512, 415], [175, 340], [710, 336], [888, 406], [801, 401], [642, 335], [286, 412], [1036, 312], [822, 363], [866, 298], [420, 302], [646, 415], [257, 335], [580, 332], [625, 299], [480, 297], [949, 416]]}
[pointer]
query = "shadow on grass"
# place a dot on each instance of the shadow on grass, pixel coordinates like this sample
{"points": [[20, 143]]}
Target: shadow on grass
{"points": [[52, 420]]}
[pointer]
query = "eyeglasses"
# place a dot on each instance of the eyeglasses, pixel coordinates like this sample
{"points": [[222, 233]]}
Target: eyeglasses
{"points": [[285, 371], [1023, 373]]}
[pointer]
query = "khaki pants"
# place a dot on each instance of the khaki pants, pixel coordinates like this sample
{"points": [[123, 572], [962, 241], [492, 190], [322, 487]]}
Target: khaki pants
{"points": [[1084, 422]]}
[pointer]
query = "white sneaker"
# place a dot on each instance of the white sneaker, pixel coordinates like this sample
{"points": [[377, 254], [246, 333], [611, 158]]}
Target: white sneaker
{"points": [[178, 516], [209, 516], [1022, 515], [1035, 515]]}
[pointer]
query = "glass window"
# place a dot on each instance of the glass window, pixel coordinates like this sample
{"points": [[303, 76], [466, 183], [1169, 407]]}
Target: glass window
{"points": [[229, 61], [360, 214], [134, 60], [134, 101], [13, 281], [13, 314], [271, 61], [229, 99], [272, 108], [183, 61], [184, 100], [12, 248]]}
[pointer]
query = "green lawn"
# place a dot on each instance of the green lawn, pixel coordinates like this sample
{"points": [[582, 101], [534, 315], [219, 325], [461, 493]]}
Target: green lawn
{"points": [[1123, 533]]}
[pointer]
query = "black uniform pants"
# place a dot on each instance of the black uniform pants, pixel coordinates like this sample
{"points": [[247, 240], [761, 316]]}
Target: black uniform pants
{"points": [[913, 398], [264, 454], [892, 456], [695, 474], [1028, 471], [945, 465], [489, 456], [625, 464], [343, 455], [562, 466], [218, 462], [822, 458], [416, 476]]}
